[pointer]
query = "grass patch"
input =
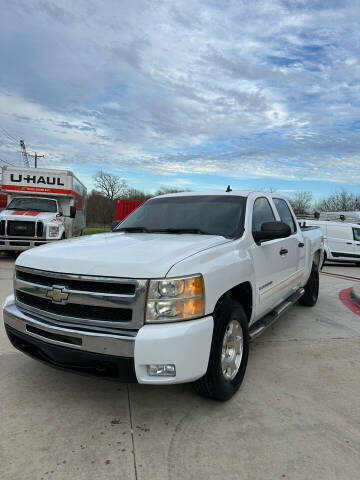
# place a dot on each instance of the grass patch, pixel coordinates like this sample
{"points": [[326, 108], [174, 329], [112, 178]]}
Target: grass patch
{"points": [[92, 230]]}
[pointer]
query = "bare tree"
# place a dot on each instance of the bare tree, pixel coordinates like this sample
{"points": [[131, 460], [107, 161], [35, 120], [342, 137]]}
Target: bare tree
{"points": [[301, 201], [135, 194], [100, 210], [340, 201], [111, 186]]}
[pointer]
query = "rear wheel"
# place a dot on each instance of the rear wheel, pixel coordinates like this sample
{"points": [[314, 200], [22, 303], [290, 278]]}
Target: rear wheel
{"points": [[311, 294], [229, 353]]}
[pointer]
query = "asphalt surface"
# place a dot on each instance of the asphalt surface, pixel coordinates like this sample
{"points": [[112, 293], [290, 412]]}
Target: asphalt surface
{"points": [[296, 416]]}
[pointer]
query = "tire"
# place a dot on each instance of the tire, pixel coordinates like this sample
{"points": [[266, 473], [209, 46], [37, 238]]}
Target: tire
{"points": [[216, 383], [311, 294]]}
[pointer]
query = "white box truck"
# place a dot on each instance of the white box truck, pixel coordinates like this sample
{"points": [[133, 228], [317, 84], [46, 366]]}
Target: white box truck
{"points": [[43, 205]]}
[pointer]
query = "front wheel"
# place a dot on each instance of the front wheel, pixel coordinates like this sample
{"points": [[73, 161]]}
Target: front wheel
{"points": [[311, 294], [229, 353]]}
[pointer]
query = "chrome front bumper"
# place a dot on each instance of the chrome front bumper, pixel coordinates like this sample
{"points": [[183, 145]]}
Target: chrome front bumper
{"points": [[108, 344], [20, 245]]}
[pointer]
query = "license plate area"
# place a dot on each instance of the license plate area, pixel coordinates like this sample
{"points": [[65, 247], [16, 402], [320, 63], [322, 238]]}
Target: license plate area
{"points": [[58, 337]]}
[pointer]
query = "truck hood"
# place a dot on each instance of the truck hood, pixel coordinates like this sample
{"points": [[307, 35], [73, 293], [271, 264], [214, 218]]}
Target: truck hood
{"points": [[131, 255], [27, 215]]}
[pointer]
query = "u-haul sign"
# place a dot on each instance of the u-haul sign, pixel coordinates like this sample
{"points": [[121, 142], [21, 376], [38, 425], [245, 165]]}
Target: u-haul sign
{"points": [[38, 181]]}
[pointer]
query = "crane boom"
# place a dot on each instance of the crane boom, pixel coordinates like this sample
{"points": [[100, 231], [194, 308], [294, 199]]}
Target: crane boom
{"points": [[24, 154]]}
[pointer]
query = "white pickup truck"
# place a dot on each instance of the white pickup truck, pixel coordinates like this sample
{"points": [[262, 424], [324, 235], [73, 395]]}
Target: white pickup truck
{"points": [[174, 295]]}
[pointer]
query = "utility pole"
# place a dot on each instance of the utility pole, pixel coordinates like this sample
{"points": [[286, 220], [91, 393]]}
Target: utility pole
{"points": [[36, 156]]}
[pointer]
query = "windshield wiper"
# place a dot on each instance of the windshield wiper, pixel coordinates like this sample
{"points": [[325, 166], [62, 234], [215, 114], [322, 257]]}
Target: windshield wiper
{"points": [[181, 230], [133, 230]]}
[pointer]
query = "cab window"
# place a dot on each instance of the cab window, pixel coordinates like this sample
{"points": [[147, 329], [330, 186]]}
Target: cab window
{"points": [[262, 213], [356, 232], [285, 213]]}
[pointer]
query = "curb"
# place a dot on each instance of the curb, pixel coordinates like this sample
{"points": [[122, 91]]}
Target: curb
{"points": [[355, 294]]}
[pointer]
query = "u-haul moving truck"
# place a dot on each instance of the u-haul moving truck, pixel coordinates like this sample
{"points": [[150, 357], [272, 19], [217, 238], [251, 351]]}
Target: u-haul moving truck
{"points": [[43, 205]]}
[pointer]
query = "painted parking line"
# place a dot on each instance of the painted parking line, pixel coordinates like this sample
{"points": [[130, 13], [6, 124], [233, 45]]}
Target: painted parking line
{"points": [[342, 277], [345, 297]]}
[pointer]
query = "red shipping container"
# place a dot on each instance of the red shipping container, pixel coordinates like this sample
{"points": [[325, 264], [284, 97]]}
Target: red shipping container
{"points": [[124, 207]]}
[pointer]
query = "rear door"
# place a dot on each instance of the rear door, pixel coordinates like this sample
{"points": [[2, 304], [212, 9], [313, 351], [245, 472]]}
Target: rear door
{"points": [[340, 240]]}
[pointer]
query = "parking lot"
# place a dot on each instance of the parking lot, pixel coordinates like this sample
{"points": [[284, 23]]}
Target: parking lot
{"points": [[296, 416]]}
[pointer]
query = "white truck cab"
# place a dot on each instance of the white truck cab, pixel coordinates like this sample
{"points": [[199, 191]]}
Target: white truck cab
{"points": [[341, 240], [43, 206], [173, 295]]}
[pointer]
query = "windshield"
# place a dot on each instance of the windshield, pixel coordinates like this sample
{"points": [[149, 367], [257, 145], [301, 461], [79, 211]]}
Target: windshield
{"points": [[33, 205], [203, 214]]}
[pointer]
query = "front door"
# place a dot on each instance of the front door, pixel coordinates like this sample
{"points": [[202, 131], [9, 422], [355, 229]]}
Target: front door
{"points": [[271, 263], [356, 236], [295, 245]]}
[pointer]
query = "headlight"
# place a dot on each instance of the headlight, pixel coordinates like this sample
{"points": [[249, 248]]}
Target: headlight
{"points": [[175, 299], [54, 231]]}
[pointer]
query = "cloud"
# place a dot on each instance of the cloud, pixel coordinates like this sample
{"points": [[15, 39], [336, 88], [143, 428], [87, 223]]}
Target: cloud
{"points": [[251, 89]]}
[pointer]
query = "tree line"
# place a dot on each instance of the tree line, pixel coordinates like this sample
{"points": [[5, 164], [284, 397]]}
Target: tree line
{"points": [[339, 201], [108, 187]]}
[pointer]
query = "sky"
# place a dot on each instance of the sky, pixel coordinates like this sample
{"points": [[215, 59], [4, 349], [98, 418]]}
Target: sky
{"points": [[189, 94]]}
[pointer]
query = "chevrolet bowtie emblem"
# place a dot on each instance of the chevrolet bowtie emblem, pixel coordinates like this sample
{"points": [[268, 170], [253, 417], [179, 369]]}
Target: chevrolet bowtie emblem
{"points": [[58, 295]]}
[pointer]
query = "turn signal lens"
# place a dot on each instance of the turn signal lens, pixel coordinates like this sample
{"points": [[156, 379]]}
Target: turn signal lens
{"points": [[193, 287]]}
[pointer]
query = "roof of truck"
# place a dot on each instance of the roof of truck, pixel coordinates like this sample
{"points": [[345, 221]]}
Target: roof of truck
{"points": [[239, 193], [53, 171]]}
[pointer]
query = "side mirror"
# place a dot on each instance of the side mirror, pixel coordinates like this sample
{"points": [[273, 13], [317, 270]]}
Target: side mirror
{"points": [[271, 231], [72, 211], [114, 225]]}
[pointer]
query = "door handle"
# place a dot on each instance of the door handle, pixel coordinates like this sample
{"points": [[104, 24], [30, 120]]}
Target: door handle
{"points": [[283, 251], [301, 244], [348, 243]]}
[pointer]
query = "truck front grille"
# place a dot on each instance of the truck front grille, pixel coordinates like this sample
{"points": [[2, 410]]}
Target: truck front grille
{"points": [[94, 303], [16, 228], [39, 229], [74, 310]]}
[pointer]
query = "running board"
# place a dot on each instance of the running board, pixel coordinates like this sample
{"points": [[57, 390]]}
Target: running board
{"points": [[261, 325]]}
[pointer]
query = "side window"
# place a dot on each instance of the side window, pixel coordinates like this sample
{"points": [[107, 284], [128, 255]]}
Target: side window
{"points": [[356, 232], [262, 213], [284, 213]]}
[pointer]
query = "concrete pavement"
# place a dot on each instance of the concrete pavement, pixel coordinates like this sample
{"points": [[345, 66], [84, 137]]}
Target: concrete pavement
{"points": [[296, 415]]}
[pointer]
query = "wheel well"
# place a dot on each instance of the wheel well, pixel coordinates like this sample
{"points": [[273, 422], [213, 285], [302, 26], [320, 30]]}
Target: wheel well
{"points": [[316, 258], [242, 293]]}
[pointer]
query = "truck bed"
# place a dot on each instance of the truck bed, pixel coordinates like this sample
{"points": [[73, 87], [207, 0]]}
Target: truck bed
{"points": [[307, 227]]}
